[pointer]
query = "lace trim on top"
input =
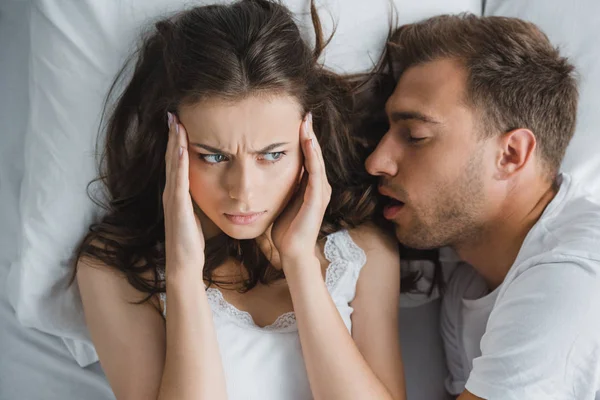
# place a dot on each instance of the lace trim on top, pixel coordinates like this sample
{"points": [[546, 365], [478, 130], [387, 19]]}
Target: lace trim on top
{"points": [[220, 306], [344, 257]]}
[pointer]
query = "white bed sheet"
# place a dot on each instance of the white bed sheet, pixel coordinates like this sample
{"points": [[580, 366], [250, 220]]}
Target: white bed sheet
{"points": [[38, 366], [33, 365]]}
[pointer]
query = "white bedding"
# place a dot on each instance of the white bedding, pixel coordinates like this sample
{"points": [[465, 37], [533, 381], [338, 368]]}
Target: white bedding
{"points": [[35, 365], [38, 366]]}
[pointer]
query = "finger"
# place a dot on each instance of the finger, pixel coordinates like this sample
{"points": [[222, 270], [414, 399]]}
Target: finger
{"points": [[175, 154], [173, 158], [298, 198], [311, 133], [310, 210], [169, 151], [167, 193], [182, 175], [303, 182], [312, 167], [309, 149], [300, 192], [198, 222], [326, 188]]}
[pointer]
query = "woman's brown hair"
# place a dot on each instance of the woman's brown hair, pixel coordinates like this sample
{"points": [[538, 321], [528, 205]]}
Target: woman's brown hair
{"points": [[230, 52]]}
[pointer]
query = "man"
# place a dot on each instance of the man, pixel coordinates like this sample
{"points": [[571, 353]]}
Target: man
{"points": [[480, 118]]}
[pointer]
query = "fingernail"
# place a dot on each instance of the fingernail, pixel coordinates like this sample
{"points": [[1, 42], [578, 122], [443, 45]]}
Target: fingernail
{"points": [[306, 125], [310, 118], [170, 118], [312, 143], [177, 128], [180, 151]]}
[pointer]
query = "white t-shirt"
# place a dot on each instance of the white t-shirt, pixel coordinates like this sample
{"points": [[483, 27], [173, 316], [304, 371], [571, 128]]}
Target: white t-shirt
{"points": [[266, 363], [536, 336]]}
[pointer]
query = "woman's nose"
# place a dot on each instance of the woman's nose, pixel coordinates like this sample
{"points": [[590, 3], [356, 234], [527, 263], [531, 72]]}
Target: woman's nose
{"points": [[241, 183]]}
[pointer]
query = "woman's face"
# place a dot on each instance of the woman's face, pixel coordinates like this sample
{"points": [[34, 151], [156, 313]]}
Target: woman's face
{"points": [[245, 161]]}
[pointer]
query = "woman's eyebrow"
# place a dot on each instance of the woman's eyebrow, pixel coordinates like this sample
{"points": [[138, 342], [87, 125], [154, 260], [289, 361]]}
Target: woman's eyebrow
{"points": [[208, 148], [219, 151], [272, 147]]}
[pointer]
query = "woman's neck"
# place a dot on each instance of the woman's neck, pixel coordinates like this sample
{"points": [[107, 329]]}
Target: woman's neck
{"points": [[264, 241]]}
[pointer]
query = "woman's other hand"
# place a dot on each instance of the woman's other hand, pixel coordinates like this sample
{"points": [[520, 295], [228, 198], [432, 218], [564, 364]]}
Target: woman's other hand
{"points": [[296, 230], [184, 241]]}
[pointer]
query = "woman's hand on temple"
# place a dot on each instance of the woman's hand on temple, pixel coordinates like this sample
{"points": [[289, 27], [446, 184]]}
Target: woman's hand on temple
{"points": [[184, 240], [296, 230]]}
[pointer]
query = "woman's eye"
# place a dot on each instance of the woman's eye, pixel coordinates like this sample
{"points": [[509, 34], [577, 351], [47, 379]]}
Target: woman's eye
{"points": [[212, 158], [274, 156]]}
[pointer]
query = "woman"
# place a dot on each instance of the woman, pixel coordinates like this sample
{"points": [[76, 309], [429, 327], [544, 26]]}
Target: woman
{"points": [[229, 165]]}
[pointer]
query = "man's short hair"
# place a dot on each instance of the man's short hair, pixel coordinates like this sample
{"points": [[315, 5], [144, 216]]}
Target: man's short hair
{"points": [[515, 77]]}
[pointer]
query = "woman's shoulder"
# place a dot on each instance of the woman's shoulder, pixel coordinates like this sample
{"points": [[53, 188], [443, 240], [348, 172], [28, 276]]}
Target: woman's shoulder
{"points": [[381, 271], [363, 245], [366, 258], [93, 274], [374, 241]]}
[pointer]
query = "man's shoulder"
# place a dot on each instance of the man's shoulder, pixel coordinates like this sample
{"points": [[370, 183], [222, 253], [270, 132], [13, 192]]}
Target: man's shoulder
{"points": [[570, 231], [563, 248], [571, 262], [578, 208], [579, 215]]}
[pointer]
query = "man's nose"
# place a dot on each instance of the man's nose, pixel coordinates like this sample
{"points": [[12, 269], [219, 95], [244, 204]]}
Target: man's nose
{"points": [[382, 161]]}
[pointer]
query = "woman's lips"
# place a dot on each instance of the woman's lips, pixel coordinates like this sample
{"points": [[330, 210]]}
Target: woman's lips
{"points": [[244, 218]]}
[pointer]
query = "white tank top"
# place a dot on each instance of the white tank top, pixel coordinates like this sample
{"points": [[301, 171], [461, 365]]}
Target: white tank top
{"points": [[266, 363]]}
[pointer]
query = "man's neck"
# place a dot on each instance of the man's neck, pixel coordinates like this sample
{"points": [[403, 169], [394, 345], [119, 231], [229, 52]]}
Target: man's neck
{"points": [[496, 249]]}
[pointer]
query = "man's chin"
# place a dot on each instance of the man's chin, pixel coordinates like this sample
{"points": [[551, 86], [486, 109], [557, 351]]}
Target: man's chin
{"points": [[414, 239]]}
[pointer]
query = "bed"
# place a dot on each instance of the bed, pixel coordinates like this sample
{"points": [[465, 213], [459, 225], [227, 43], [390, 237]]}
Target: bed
{"points": [[35, 364]]}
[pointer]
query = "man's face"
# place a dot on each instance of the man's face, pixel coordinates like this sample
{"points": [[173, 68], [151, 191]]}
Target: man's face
{"points": [[432, 163]]}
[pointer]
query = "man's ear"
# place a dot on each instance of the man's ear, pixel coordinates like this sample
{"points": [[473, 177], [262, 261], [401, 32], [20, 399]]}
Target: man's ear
{"points": [[515, 152]]}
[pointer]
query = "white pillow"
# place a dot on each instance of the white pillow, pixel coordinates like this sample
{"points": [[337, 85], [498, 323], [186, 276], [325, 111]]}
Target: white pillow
{"points": [[14, 53], [575, 28], [77, 48]]}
